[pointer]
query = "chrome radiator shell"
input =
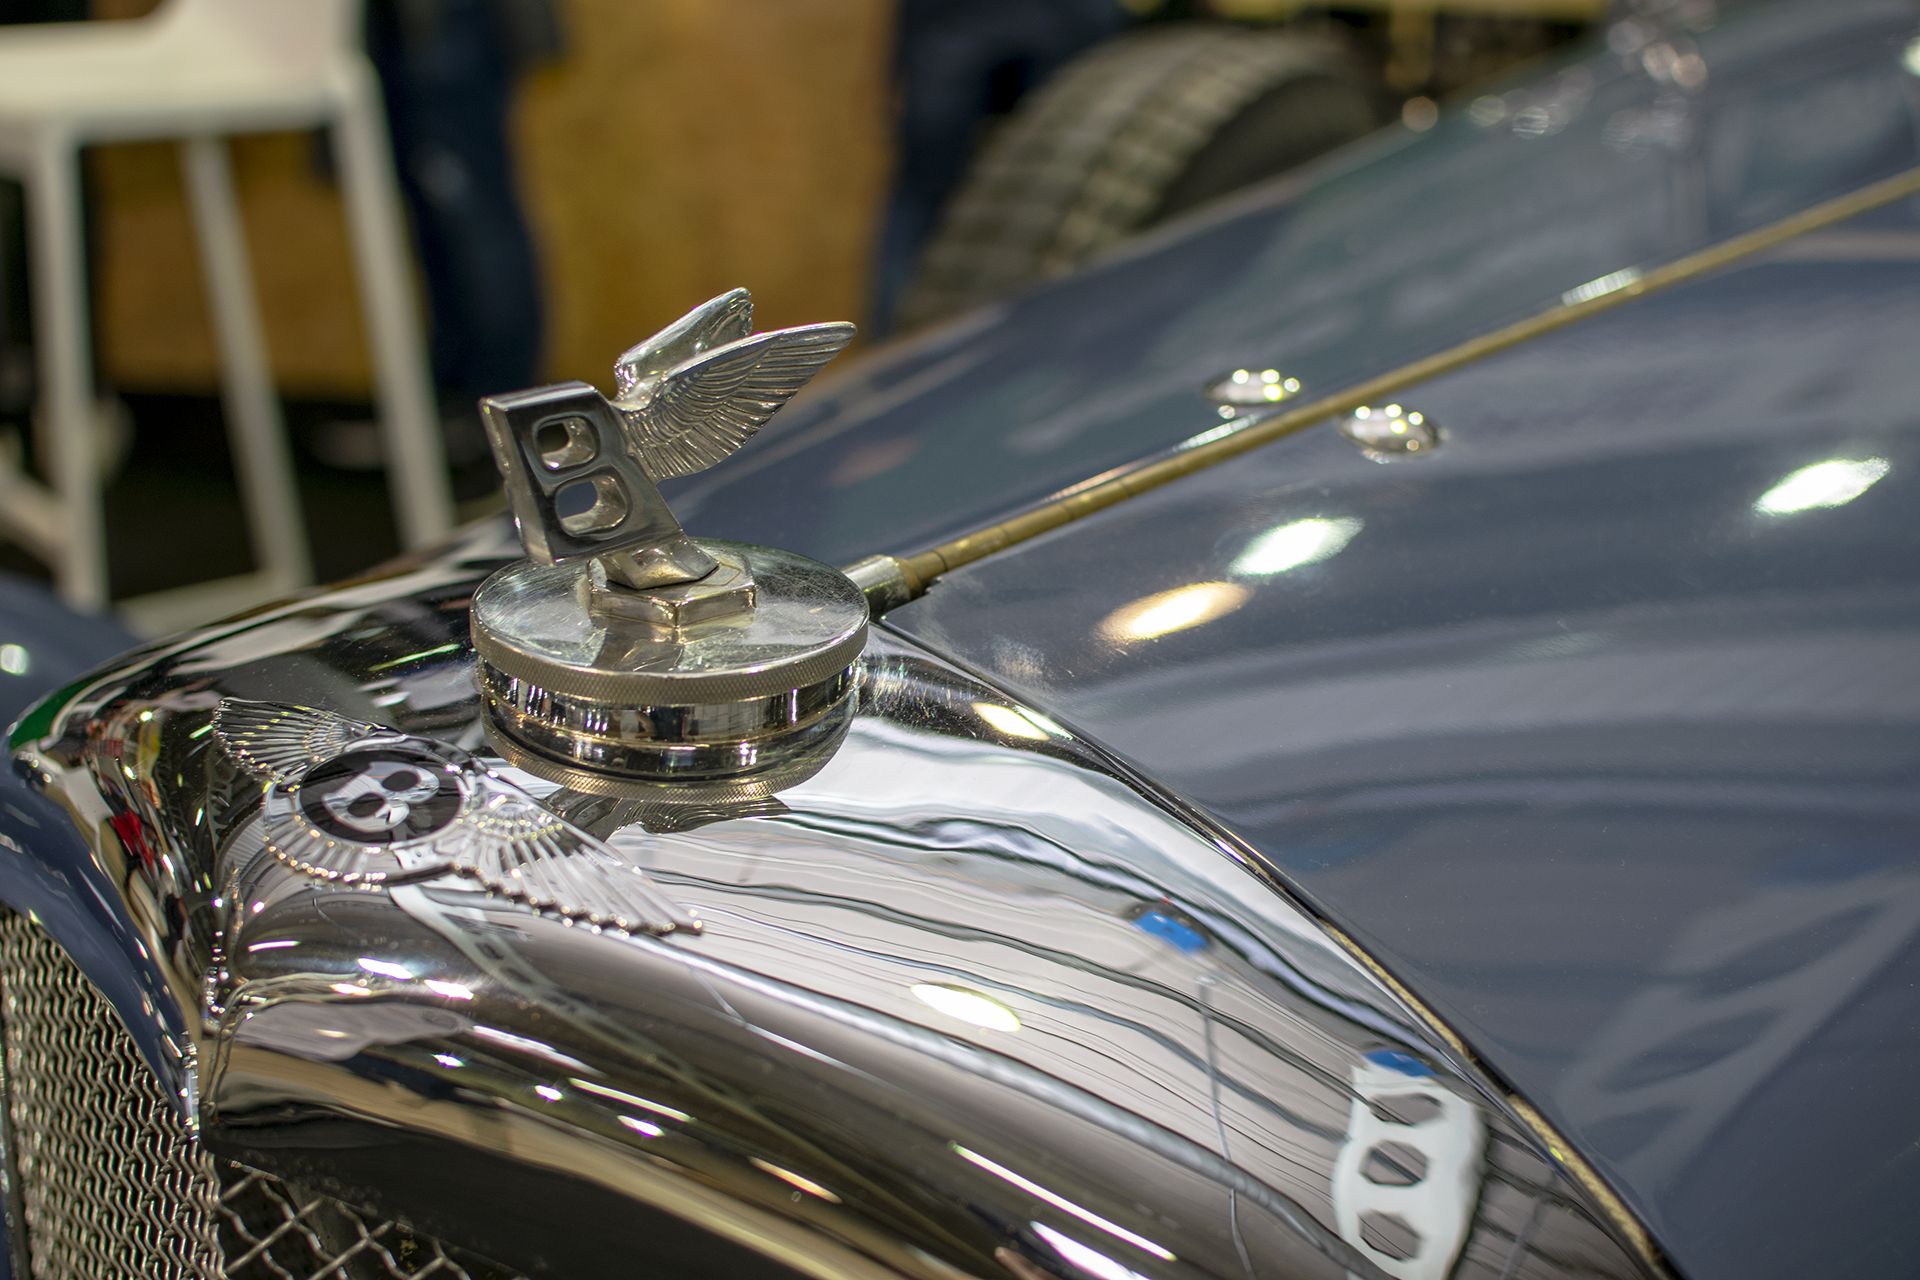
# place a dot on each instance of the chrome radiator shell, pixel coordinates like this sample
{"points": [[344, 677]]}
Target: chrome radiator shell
{"points": [[111, 1184], [973, 1000]]}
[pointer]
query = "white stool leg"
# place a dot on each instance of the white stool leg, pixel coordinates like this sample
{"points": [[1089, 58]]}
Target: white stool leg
{"points": [[254, 424], [66, 370], [409, 424]]}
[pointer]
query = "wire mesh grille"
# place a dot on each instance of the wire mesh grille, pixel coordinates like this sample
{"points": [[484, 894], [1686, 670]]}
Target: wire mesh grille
{"points": [[112, 1185]]}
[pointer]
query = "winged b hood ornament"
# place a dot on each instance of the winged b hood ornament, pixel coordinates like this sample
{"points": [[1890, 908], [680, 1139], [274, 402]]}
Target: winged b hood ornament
{"points": [[622, 648], [688, 397]]}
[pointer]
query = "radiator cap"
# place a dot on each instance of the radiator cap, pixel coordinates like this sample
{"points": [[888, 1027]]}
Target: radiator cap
{"points": [[621, 648]]}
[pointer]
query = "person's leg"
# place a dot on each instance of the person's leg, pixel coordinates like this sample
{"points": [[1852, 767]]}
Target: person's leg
{"points": [[448, 84]]}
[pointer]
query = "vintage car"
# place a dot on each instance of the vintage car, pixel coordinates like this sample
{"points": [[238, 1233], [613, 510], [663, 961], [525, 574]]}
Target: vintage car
{"points": [[1370, 734]]}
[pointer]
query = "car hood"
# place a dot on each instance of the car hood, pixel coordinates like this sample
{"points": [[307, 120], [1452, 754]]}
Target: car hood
{"points": [[1597, 726]]}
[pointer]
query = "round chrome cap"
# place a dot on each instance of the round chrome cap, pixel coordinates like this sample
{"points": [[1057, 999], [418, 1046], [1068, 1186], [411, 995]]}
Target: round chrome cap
{"points": [[716, 698]]}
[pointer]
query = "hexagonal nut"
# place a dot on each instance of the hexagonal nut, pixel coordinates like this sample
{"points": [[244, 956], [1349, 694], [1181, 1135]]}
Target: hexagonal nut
{"points": [[726, 591]]}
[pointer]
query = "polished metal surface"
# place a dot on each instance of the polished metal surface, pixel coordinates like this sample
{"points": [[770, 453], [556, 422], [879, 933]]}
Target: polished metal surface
{"points": [[722, 591], [689, 396], [1251, 387], [699, 389], [624, 649], [969, 1001], [1391, 431], [884, 581], [724, 697], [808, 624], [113, 1186], [361, 805]]}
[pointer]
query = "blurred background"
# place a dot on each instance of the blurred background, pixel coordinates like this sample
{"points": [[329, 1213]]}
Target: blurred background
{"points": [[578, 173]]}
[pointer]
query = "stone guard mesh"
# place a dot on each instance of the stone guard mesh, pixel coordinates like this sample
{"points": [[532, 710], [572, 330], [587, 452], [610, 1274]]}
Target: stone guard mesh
{"points": [[112, 1185]]}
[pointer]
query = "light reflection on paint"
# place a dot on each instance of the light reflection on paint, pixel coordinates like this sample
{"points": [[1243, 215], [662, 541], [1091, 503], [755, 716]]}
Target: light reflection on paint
{"points": [[386, 968], [967, 1006], [1170, 611], [1832, 483], [1292, 545], [451, 990]]}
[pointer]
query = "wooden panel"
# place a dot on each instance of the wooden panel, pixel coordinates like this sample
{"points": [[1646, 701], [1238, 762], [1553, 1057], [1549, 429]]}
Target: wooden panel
{"points": [[156, 331], [689, 146], [683, 147]]}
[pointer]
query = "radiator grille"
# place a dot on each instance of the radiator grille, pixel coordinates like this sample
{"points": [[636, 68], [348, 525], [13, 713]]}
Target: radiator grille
{"points": [[113, 1187]]}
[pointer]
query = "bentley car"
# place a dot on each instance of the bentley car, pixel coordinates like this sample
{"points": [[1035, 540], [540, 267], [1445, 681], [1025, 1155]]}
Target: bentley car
{"points": [[1370, 733]]}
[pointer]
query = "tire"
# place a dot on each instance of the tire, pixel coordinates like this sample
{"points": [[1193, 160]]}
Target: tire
{"points": [[1144, 126]]}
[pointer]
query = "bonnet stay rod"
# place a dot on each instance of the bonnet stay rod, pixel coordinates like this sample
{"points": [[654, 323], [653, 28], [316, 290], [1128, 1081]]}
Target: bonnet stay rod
{"points": [[891, 581]]}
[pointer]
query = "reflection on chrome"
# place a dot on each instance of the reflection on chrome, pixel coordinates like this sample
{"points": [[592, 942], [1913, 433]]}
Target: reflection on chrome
{"points": [[1013, 723], [1091, 1261], [1291, 545], [1168, 611], [1063, 1204], [631, 1100], [967, 1006], [1183, 1082], [793, 1179], [1413, 1224], [1613, 282], [1832, 483]]}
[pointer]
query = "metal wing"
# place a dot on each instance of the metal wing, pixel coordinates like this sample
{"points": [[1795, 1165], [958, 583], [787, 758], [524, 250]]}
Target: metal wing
{"points": [[516, 848], [279, 742], [727, 318], [710, 405], [499, 836]]}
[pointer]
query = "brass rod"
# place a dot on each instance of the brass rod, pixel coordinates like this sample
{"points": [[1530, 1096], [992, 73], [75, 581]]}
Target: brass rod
{"points": [[1096, 495]]}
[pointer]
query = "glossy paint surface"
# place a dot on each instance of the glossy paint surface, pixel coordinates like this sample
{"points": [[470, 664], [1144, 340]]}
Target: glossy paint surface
{"points": [[44, 644], [1389, 251], [1601, 725], [967, 1001]]}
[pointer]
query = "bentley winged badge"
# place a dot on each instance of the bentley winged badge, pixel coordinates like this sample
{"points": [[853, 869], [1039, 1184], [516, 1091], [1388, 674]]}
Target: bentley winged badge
{"points": [[359, 804]]}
